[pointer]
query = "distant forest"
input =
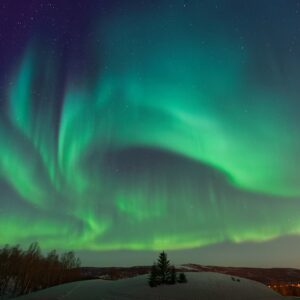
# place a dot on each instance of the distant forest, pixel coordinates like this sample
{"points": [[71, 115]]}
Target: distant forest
{"points": [[26, 271]]}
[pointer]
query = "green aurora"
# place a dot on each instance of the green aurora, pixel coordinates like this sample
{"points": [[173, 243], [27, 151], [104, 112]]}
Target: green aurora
{"points": [[173, 135]]}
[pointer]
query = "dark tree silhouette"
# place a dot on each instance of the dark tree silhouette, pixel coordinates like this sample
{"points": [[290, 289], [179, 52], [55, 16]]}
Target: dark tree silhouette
{"points": [[172, 276], [163, 265], [162, 272], [153, 278], [182, 278]]}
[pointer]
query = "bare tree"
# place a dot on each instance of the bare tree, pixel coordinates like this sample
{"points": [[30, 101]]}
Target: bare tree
{"points": [[22, 272]]}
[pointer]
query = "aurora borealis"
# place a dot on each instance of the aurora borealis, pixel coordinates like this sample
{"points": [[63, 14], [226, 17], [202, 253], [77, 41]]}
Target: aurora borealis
{"points": [[149, 125]]}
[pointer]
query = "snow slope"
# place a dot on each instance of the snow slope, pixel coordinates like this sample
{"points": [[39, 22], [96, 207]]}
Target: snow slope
{"points": [[206, 285]]}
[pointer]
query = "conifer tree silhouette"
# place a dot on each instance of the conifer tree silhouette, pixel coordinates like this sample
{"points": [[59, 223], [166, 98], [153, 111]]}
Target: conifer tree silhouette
{"points": [[153, 278], [163, 265]]}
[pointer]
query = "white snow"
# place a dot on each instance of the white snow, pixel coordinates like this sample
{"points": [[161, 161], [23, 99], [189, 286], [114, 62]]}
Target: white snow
{"points": [[204, 285]]}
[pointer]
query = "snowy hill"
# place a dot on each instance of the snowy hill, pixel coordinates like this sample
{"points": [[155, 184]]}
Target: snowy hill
{"points": [[206, 285]]}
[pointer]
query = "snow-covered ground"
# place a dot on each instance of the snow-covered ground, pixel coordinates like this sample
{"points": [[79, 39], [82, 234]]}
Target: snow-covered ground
{"points": [[208, 286]]}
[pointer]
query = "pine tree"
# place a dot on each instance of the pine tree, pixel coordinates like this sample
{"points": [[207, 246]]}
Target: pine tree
{"points": [[153, 278], [163, 265], [182, 278], [172, 276]]}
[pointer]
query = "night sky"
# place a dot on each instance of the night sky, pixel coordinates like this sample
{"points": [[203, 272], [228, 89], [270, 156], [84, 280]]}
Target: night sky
{"points": [[140, 126]]}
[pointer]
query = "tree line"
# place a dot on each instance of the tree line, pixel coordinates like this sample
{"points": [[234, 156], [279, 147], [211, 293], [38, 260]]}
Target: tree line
{"points": [[26, 271]]}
